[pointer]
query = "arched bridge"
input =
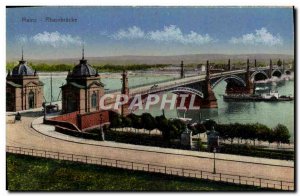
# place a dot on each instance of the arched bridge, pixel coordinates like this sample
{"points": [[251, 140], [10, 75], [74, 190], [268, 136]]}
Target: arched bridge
{"points": [[238, 81]]}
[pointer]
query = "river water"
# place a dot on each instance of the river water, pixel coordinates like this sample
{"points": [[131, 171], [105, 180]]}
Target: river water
{"points": [[268, 113]]}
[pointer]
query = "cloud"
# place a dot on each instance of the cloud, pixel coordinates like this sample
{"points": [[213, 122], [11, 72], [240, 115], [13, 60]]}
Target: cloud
{"points": [[55, 39], [131, 33], [260, 37], [174, 34], [171, 34]]}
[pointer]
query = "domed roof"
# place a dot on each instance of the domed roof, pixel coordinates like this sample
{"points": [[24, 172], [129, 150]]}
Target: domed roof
{"points": [[83, 69], [22, 69]]}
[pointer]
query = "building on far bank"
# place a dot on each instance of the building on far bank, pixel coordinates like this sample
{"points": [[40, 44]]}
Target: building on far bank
{"points": [[24, 90], [83, 89]]}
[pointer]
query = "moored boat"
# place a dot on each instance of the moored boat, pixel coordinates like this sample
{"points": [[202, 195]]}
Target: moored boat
{"points": [[270, 96]]}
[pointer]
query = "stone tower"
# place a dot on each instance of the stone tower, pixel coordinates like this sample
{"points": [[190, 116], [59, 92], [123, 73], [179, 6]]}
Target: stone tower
{"points": [[24, 90], [83, 89]]}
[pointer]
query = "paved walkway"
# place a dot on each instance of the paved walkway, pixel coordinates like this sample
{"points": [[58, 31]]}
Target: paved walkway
{"points": [[31, 133]]}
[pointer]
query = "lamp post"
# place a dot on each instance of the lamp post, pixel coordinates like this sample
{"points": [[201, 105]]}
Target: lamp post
{"points": [[101, 129], [215, 150]]}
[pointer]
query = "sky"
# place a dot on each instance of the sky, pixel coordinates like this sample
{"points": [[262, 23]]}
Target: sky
{"points": [[150, 31]]}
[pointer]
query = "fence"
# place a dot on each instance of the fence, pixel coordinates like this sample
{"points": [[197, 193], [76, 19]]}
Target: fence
{"points": [[155, 168]]}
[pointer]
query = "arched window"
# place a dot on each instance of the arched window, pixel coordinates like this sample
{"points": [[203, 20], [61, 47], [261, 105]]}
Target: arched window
{"points": [[31, 99], [94, 100]]}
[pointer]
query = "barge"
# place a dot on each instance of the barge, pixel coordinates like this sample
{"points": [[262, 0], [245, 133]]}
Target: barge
{"points": [[271, 96]]}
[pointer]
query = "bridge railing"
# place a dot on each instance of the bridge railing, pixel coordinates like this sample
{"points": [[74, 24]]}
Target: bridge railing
{"points": [[181, 83], [156, 168], [157, 89], [141, 85]]}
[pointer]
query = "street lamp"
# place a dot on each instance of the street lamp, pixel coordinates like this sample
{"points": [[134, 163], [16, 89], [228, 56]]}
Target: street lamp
{"points": [[101, 129], [215, 150]]}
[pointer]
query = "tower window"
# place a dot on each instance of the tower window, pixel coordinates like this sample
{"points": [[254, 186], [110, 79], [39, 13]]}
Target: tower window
{"points": [[31, 99], [94, 100]]}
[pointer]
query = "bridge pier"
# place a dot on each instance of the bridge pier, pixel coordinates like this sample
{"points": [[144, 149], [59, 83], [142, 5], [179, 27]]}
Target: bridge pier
{"points": [[270, 69], [249, 84], [182, 75], [209, 100], [125, 91]]}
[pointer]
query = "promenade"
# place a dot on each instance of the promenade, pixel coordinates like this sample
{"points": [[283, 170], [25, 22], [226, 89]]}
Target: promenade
{"points": [[31, 133]]}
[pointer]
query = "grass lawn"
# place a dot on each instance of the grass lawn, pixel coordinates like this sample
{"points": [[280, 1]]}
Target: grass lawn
{"points": [[26, 173]]}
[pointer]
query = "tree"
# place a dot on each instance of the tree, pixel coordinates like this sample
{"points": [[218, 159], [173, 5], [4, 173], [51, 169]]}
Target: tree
{"points": [[162, 124], [281, 134], [115, 120], [148, 121], [126, 122], [263, 132], [197, 128], [176, 127], [135, 121], [232, 131], [209, 124]]}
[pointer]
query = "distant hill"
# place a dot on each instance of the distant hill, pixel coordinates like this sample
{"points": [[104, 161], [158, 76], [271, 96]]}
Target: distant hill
{"points": [[188, 59]]}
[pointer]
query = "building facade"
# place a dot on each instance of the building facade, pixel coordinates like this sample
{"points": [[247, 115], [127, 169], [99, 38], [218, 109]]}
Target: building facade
{"points": [[24, 90], [83, 89]]}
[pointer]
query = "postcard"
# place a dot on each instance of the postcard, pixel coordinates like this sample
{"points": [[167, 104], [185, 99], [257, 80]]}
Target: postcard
{"points": [[150, 98]]}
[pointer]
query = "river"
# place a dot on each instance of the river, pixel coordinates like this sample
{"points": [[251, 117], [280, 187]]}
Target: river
{"points": [[268, 113]]}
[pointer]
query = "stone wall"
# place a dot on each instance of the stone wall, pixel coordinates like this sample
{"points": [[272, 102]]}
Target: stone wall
{"points": [[92, 119], [69, 117], [78, 121]]}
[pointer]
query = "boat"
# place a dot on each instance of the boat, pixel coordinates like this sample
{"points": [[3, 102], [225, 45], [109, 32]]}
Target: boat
{"points": [[270, 96]]}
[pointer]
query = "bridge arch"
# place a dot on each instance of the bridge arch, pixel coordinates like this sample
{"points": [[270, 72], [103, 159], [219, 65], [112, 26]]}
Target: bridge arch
{"points": [[277, 73], [259, 75], [188, 90], [240, 81], [287, 72]]}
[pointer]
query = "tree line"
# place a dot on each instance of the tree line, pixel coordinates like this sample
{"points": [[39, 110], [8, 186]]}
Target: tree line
{"points": [[172, 128], [66, 67], [250, 131]]}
